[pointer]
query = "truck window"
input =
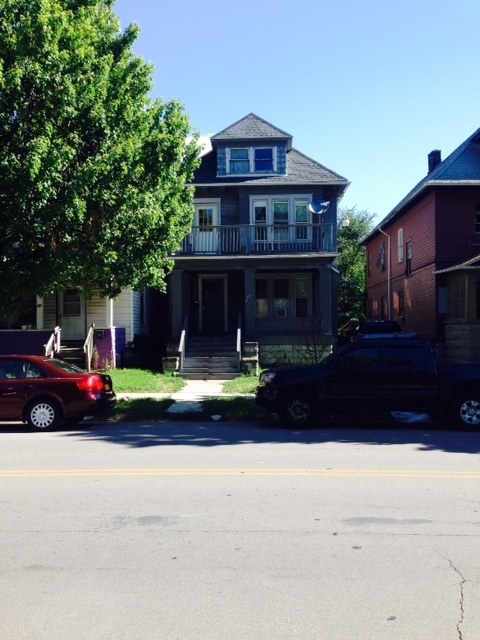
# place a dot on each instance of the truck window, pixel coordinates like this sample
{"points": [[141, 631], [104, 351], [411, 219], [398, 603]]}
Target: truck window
{"points": [[404, 356], [366, 357]]}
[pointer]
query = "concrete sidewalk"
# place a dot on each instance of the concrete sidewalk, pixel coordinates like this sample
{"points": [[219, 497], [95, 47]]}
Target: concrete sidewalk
{"points": [[190, 397]]}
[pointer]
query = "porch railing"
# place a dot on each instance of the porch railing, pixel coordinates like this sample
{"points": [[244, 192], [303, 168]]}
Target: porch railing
{"points": [[239, 341], [258, 239], [183, 343], [53, 345], [88, 347]]}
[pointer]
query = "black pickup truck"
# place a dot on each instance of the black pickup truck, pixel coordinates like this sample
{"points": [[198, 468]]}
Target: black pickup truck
{"points": [[376, 373]]}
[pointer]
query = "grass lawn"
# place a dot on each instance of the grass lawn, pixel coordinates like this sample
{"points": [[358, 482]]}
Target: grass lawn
{"points": [[241, 385], [144, 381]]}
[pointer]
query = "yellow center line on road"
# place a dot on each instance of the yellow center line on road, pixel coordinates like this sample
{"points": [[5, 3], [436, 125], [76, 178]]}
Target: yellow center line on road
{"points": [[308, 473]]}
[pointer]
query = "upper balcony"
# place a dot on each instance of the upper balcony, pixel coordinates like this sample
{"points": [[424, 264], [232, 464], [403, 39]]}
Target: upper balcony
{"points": [[258, 239]]}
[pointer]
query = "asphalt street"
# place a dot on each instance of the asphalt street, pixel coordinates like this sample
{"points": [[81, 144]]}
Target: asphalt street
{"points": [[189, 530]]}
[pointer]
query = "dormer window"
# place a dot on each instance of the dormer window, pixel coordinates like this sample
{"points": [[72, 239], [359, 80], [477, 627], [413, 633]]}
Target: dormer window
{"points": [[263, 160], [246, 160], [239, 161]]}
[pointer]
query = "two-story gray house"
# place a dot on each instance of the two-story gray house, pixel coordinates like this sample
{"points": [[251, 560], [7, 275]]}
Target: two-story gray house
{"points": [[259, 262]]}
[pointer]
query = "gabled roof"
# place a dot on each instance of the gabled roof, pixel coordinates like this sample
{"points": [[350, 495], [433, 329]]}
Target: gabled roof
{"points": [[300, 170], [460, 168], [251, 127]]}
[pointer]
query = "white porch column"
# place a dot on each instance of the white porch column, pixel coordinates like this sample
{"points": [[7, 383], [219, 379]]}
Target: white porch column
{"points": [[109, 312]]}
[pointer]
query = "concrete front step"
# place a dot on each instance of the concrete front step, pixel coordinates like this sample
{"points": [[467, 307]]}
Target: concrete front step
{"points": [[210, 358], [210, 376]]}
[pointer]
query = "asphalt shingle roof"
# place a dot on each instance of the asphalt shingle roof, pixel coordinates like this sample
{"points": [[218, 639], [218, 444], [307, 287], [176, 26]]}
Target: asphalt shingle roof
{"points": [[300, 168], [250, 127]]}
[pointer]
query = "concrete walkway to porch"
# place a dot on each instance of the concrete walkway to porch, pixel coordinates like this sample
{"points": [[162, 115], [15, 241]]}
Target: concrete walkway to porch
{"points": [[191, 396]]}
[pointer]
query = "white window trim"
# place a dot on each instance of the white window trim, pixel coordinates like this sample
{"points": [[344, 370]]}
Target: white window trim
{"points": [[251, 160], [269, 200], [400, 245], [205, 203], [290, 312]]}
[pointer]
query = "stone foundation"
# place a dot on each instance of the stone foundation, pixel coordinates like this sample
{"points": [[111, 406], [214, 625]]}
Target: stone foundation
{"points": [[278, 355], [462, 343]]}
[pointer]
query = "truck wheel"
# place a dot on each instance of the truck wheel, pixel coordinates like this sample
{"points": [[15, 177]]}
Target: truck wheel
{"points": [[298, 409], [43, 415], [466, 412]]}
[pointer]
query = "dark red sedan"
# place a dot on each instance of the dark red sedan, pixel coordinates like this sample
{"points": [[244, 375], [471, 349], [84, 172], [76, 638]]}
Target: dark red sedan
{"points": [[45, 392]]}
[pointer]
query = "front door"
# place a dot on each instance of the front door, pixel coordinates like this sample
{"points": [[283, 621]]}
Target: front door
{"points": [[213, 310], [72, 315]]}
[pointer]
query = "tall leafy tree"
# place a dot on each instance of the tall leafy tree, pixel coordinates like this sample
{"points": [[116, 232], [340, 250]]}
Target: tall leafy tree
{"points": [[352, 297], [93, 172]]}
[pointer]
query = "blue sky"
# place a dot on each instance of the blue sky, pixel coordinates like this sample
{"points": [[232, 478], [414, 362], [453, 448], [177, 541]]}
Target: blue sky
{"points": [[367, 88]]}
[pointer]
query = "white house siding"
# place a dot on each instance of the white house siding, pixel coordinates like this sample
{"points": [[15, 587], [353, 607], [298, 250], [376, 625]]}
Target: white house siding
{"points": [[97, 312], [126, 312], [122, 313]]}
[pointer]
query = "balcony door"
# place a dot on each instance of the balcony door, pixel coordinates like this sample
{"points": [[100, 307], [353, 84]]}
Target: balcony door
{"points": [[205, 230]]}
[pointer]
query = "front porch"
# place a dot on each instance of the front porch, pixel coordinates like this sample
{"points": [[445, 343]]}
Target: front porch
{"points": [[266, 306], [68, 326]]}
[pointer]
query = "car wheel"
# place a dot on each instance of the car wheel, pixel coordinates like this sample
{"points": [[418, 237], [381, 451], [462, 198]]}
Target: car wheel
{"points": [[466, 412], [299, 409], [43, 415]]}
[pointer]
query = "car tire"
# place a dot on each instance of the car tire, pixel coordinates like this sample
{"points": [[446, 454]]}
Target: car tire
{"points": [[465, 412], [299, 409], [43, 415]]}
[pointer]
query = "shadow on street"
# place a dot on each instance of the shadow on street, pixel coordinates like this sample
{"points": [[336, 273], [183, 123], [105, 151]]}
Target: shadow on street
{"points": [[427, 437]]}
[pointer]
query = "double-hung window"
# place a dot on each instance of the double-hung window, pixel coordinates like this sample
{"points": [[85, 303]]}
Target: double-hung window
{"points": [[239, 161], [280, 220], [263, 160], [400, 245], [301, 220], [246, 160]]}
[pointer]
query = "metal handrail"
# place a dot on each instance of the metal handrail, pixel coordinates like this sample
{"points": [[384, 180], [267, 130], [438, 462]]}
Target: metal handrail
{"points": [[88, 346], [53, 344], [183, 341], [239, 341]]}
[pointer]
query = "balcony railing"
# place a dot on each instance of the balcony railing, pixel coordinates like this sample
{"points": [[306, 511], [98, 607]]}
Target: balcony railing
{"points": [[258, 239]]}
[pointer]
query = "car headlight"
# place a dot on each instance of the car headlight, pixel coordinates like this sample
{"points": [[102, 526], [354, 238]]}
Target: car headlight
{"points": [[266, 378]]}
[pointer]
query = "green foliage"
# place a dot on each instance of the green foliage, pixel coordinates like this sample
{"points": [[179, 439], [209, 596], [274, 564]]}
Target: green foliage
{"points": [[93, 173], [352, 298]]}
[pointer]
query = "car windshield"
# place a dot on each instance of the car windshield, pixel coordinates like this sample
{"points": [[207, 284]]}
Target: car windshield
{"points": [[65, 366]]}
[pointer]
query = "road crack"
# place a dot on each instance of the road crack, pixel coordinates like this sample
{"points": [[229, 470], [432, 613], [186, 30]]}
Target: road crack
{"points": [[463, 582]]}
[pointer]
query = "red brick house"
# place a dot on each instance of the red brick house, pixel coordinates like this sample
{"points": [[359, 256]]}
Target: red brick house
{"points": [[422, 258]]}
